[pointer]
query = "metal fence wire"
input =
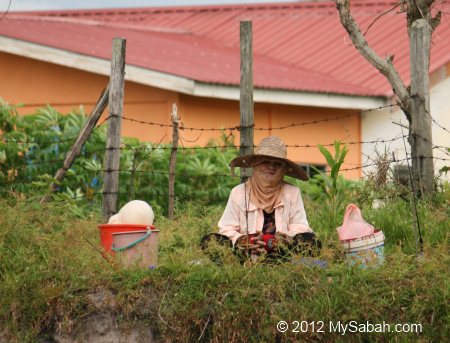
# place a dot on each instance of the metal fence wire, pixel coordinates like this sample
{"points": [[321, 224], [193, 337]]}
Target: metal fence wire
{"points": [[14, 182]]}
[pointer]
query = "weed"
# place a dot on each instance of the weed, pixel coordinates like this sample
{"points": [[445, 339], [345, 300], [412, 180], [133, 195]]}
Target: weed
{"points": [[50, 265], [334, 187], [49, 271]]}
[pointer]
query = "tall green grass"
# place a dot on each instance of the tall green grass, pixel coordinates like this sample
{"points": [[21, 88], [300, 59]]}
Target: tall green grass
{"points": [[49, 265]]}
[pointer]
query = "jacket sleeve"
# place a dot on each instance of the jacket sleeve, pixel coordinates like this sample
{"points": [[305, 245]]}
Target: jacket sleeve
{"points": [[297, 217], [229, 222]]}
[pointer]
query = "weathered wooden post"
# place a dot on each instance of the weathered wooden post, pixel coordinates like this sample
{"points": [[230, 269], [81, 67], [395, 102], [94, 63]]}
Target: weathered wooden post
{"points": [[81, 139], [246, 94], [112, 154], [173, 160], [420, 134]]}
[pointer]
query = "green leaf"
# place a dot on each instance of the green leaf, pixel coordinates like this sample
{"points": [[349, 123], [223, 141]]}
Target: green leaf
{"points": [[327, 155], [343, 154], [337, 148], [335, 170], [444, 170], [2, 156]]}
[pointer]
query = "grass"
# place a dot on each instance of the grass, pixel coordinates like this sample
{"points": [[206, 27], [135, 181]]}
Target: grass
{"points": [[49, 268]]}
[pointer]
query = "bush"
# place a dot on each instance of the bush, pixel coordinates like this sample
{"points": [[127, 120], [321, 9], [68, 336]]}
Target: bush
{"points": [[50, 262], [33, 148], [50, 265]]}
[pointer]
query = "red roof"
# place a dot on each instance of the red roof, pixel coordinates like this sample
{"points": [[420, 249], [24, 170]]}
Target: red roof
{"points": [[297, 46]]}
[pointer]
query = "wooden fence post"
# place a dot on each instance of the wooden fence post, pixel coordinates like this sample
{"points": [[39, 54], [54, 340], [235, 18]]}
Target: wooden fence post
{"points": [[173, 161], [420, 133], [246, 94], [81, 139], [112, 154]]}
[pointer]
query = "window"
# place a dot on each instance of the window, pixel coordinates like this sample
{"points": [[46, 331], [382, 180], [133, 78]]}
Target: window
{"points": [[311, 171], [401, 174]]}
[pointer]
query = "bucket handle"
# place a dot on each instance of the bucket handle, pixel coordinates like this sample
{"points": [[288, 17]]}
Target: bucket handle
{"points": [[132, 244]]}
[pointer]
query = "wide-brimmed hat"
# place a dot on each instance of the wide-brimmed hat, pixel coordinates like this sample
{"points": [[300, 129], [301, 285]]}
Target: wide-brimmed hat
{"points": [[271, 148]]}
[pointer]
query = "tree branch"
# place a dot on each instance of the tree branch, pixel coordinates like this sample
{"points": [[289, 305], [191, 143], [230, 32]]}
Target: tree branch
{"points": [[384, 66], [436, 20], [379, 16]]}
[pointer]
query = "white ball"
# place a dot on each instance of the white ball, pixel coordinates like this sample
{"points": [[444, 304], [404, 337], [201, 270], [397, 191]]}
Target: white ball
{"points": [[134, 212]]}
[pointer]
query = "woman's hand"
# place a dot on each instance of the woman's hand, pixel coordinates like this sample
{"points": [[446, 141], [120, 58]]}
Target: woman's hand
{"points": [[283, 240], [254, 243]]}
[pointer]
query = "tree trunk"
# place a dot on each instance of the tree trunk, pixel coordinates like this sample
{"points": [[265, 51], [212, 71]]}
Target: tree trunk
{"points": [[415, 102]]}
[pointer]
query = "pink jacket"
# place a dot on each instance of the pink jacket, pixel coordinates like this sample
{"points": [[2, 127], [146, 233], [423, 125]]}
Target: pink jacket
{"points": [[290, 216]]}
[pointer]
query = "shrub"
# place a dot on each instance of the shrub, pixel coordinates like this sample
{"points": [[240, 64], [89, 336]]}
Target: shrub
{"points": [[33, 147], [50, 267]]}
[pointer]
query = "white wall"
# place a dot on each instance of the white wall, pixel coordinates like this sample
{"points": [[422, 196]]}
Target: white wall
{"points": [[378, 125]]}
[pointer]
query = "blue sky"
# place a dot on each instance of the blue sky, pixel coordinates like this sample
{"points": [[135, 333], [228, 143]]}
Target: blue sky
{"points": [[28, 5]]}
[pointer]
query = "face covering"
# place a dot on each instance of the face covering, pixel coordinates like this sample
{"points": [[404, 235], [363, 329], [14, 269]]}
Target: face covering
{"points": [[265, 188]]}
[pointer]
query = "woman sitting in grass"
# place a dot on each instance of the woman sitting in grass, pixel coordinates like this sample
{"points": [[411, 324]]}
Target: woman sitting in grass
{"points": [[265, 215]]}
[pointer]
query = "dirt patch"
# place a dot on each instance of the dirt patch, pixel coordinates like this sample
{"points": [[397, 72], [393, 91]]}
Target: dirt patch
{"points": [[102, 326]]}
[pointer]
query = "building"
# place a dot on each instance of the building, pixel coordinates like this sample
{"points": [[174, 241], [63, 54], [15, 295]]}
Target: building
{"points": [[306, 72]]}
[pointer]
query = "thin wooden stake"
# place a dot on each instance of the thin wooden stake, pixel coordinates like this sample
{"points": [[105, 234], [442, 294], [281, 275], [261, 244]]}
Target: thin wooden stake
{"points": [[133, 174], [246, 94], [416, 222], [112, 155], [173, 161], [84, 134]]}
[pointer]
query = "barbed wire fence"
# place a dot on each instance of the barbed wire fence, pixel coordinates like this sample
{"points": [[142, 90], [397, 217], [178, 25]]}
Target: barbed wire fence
{"points": [[111, 181], [148, 148]]}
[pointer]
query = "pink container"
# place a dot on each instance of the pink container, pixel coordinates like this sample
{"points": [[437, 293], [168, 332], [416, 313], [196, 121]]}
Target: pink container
{"points": [[138, 248]]}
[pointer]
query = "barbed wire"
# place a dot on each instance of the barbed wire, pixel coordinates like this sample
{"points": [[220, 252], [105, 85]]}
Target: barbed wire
{"points": [[442, 127], [28, 164], [185, 174], [64, 198], [7, 11], [287, 145], [147, 194], [255, 146], [31, 164], [440, 147], [233, 128], [188, 175], [20, 141], [239, 127], [159, 147], [436, 123]]}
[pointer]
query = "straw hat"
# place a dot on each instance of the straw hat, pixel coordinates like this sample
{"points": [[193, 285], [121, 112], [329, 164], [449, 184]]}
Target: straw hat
{"points": [[271, 147]]}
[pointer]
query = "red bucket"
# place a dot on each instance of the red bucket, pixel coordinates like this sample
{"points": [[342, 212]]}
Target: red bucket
{"points": [[107, 231]]}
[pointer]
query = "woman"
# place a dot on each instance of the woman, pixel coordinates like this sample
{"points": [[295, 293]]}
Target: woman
{"points": [[265, 215]]}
